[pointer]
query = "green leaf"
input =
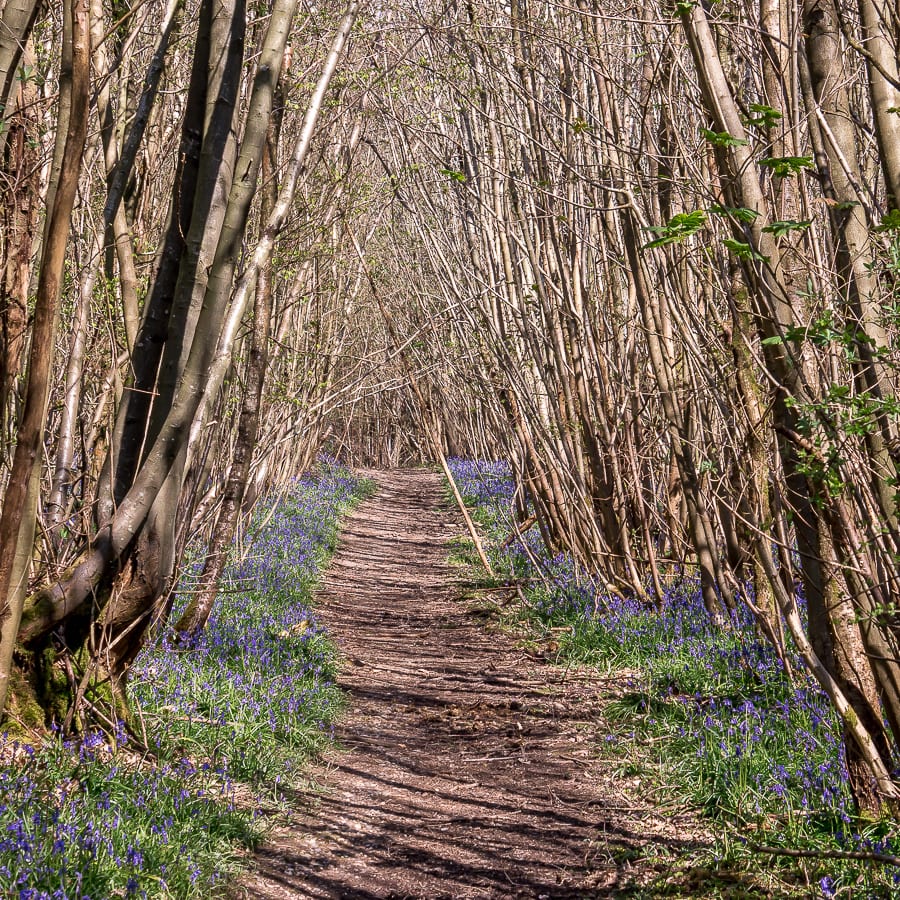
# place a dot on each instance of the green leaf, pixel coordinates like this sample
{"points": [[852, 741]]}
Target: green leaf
{"points": [[722, 138], [579, 126], [676, 229], [452, 173], [889, 222], [744, 251], [786, 166], [785, 226], [766, 116], [741, 213], [824, 330], [772, 341]]}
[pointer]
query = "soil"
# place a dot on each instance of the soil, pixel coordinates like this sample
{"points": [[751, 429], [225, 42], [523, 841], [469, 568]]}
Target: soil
{"points": [[466, 767]]}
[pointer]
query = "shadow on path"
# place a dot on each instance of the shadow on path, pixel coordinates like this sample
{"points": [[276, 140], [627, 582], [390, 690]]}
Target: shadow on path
{"points": [[464, 770]]}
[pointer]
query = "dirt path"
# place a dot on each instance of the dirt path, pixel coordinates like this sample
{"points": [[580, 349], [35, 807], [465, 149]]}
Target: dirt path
{"points": [[466, 770]]}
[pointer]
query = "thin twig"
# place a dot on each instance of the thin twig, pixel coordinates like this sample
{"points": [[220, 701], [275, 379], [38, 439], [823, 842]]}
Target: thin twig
{"points": [[827, 854]]}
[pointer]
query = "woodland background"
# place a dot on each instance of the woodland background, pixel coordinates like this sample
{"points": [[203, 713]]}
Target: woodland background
{"points": [[648, 253]]}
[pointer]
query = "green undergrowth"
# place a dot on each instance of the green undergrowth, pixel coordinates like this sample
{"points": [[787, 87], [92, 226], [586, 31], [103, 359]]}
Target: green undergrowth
{"points": [[702, 717], [225, 724]]}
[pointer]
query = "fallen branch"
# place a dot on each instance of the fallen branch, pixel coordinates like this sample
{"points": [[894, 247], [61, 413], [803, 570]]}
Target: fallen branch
{"points": [[520, 529], [886, 858]]}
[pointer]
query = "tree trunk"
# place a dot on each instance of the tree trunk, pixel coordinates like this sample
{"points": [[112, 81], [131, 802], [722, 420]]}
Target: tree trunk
{"points": [[217, 219], [17, 520], [776, 309], [16, 24], [880, 47], [18, 221], [195, 616]]}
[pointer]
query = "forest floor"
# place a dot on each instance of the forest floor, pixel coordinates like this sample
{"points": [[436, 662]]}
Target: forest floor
{"points": [[465, 766]]}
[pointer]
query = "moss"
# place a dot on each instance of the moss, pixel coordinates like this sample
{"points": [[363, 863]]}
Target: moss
{"points": [[52, 686], [39, 692], [24, 714]]}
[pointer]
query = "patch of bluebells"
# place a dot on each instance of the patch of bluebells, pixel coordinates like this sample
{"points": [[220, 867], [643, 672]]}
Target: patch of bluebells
{"points": [[257, 689], [79, 820], [253, 697], [754, 743], [483, 483]]}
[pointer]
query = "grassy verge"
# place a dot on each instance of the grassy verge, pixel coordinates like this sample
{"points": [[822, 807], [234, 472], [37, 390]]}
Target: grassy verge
{"points": [[248, 704], [707, 712]]}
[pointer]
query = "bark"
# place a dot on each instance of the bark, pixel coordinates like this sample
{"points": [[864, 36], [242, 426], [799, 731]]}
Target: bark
{"points": [[132, 417], [869, 752], [64, 469], [74, 588], [776, 309], [18, 223], [841, 175], [124, 165], [195, 616], [118, 229], [880, 49], [700, 526], [755, 507], [64, 472], [221, 203], [15, 27], [262, 252], [17, 519]]}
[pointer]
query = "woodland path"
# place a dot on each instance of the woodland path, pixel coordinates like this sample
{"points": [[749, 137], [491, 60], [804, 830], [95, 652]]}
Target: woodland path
{"points": [[465, 767]]}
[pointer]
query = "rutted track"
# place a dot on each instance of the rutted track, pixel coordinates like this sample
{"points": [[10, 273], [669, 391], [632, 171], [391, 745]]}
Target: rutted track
{"points": [[465, 769]]}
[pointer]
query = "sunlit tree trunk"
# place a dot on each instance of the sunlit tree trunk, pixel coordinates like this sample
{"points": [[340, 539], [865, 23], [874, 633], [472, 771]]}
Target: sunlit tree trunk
{"points": [[195, 616], [832, 637], [18, 517], [18, 224]]}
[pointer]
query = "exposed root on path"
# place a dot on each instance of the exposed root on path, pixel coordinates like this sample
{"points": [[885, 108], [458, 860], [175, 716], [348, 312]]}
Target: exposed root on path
{"points": [[465, 768]]}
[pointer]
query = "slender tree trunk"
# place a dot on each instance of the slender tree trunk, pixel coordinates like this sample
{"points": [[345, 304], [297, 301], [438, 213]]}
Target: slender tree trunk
{"points": [[841, 177], [776, 308], [211, 246], [195, 616], [880, 46], [17, 520], [15, 28], [129, 433], [18, 222]]}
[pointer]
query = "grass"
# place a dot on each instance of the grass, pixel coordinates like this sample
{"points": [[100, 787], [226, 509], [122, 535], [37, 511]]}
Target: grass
{"points": [[707, 713], [82, 821], [248, 704]]}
